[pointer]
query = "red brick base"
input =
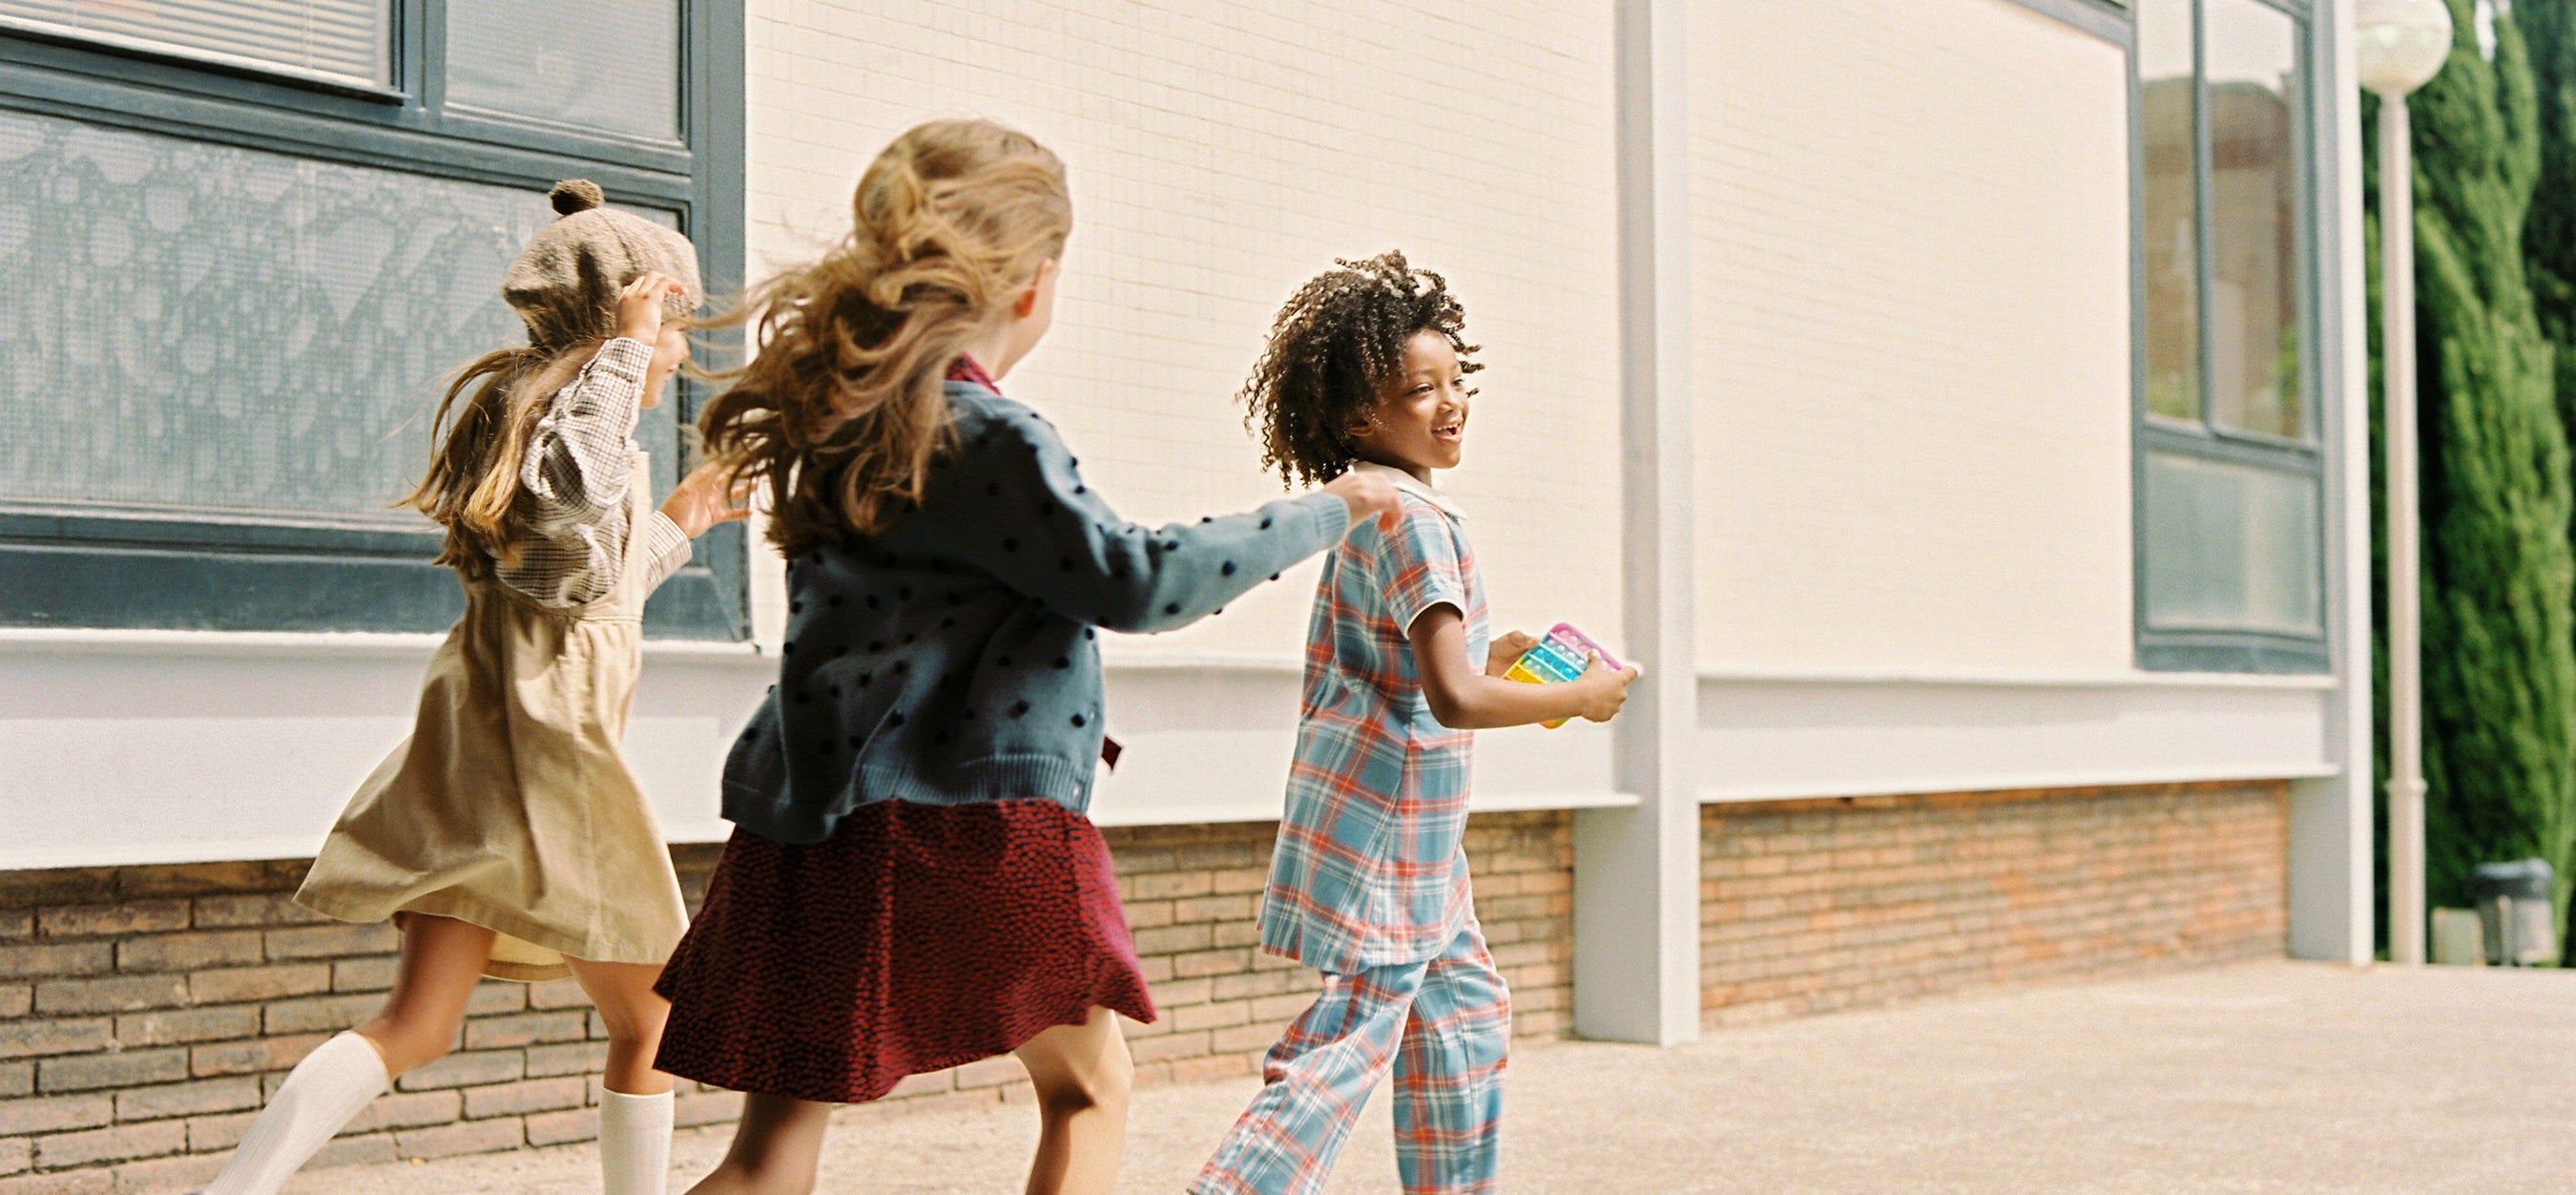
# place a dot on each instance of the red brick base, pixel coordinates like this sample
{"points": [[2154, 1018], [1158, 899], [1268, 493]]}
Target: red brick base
{"points": [[147, 1012], [1814, 905]]}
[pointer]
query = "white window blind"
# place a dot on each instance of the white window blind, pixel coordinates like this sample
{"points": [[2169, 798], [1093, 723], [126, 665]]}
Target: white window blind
{"points": [[349, 40]]}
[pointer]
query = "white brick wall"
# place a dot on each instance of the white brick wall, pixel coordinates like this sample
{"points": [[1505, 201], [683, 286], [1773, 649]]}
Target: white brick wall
{"points": [[1911, 288], [1222, 152]]}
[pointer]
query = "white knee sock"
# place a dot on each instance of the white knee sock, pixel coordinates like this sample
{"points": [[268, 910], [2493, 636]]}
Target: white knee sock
{"points": [[634, 1143], [320, 1096]]}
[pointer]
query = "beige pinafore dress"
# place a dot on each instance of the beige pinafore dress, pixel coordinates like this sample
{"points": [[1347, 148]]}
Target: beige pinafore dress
{"points": [[511, 806]]}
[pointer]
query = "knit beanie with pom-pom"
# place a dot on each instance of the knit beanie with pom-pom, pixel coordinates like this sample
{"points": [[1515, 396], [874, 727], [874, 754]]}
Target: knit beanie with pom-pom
{"points": [[565, 284]]}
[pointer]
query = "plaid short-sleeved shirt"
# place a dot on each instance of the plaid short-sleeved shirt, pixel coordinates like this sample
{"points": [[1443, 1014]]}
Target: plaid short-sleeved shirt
{"points": [[1369, 869]]}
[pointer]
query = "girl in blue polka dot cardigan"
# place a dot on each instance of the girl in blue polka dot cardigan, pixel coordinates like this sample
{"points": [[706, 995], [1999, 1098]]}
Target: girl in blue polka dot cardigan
{"points": [[912, 884]]}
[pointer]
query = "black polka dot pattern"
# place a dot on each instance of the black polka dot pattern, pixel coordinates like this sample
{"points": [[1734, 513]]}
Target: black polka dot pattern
{"points": [[948, 636]]}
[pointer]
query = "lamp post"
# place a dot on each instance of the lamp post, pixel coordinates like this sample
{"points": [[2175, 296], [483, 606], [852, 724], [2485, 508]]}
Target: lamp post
{"points": [[2399, 45]]}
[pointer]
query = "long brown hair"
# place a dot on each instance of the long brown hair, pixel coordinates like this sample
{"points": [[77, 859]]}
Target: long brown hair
{"points": [[839, 412], [472, 487]]}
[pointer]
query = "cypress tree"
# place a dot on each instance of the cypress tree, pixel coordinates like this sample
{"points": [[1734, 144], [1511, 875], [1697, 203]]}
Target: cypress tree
{"points": [[2500, 573], [2549, 252]]}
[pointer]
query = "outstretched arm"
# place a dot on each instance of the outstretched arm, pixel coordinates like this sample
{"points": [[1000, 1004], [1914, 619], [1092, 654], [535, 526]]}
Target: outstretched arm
{"points": [[1031, 520]]}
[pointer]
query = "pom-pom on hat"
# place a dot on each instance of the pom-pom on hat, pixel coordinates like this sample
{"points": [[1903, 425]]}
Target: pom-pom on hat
{"points": [[565, 283]]}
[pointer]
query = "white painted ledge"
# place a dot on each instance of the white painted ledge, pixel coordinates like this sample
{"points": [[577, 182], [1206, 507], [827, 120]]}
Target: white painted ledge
{"points": [[127, 747], [270, 646], [1769, 737], [2015, 679]]}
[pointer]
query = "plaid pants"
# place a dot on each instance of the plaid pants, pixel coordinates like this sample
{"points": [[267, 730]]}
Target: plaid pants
{"points": [[1444, 1025]]}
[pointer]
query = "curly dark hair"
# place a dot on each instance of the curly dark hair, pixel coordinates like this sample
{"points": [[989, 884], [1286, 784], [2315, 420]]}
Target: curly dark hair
{"points": [[1338, 339]]}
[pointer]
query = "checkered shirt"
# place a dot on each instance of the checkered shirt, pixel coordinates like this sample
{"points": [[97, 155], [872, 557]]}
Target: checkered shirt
{"points": [[1368, 870], [580, 460]]}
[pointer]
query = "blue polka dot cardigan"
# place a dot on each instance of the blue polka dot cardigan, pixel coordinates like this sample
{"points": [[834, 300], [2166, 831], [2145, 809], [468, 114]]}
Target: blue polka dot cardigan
{"points": [[954, 657]]}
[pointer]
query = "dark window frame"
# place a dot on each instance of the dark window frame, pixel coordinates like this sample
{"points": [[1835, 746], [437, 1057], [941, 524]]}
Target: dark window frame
{"points": [[2167, 648], [61, 567]]}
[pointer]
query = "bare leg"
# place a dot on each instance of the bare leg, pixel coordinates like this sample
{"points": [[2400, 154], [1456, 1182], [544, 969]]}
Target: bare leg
{"points": [[776, 1149], [442, 960], [634, 1013], [1082, 1073]]}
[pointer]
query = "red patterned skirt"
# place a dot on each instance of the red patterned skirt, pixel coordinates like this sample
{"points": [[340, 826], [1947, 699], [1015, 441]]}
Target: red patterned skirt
{"points": [[916, 938]]}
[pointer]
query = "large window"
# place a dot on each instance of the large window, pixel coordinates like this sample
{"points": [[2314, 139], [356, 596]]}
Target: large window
{"points": [[2230, 531], [245, 239]]}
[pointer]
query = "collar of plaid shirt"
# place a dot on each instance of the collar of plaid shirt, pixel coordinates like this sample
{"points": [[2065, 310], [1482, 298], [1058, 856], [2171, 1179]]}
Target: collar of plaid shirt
{"points": [[1415, 486]]}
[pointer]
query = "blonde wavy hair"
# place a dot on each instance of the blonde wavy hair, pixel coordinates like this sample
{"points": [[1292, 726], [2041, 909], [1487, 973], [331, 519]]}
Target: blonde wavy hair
{"points": [[472, 487], [839, 412]]}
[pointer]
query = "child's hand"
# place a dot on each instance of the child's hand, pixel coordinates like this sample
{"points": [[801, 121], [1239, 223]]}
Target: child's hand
{"points": [[1604, 690], [1368, 494], [706, 497], [1506, 649], [639, 306]]}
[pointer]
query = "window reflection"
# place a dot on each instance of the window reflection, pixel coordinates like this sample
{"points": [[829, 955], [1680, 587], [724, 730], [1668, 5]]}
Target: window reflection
{"points": [[2253, 69], [2170, 224], [541, 59]]}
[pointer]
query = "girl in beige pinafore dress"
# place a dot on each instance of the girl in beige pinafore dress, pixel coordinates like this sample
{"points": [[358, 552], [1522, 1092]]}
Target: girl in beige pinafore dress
{"points": [[510, 806], [507, 837]]}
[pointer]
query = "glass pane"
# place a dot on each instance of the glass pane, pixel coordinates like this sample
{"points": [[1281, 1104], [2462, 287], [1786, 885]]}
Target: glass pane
{"points": [[2231, 547], [341, 39], [609, 67], [2170, 225], [201, 328], [2254, 219]]}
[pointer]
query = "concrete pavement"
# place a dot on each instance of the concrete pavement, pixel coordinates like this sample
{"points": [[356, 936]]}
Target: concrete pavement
{"points": [[2271, 1077]]}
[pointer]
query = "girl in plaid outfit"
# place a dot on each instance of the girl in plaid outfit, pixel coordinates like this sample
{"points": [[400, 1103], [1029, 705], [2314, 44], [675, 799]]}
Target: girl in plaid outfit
{"points": [[1366, 373]]}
